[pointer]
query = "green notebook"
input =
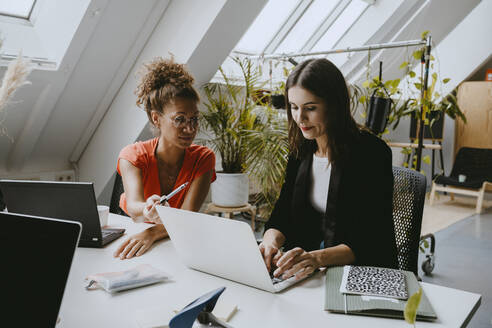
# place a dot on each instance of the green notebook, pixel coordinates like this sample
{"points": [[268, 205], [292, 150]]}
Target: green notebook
{"points": [[371, 305]]}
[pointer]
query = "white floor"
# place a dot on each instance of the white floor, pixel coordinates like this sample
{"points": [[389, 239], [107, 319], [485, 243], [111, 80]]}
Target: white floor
{"points": [[464, 261]]}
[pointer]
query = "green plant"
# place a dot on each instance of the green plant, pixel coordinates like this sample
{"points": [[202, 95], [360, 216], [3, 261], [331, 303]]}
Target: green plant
{"points": [[356, 93], [411, 307], [433, 99], [249, 135], [378, 88], [423, 245], [280, 87], [408, 101]]}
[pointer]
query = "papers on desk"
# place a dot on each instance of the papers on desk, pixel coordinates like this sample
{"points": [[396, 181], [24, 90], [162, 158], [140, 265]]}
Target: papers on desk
{"points": [[112, 282], [335, 301]]}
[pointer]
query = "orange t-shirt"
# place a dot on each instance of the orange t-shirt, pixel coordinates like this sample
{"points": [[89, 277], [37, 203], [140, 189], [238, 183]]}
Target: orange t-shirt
{"points": [[197, 161]]}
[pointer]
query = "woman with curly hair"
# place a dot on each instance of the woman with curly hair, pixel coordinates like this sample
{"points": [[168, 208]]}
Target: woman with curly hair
{"points": [[157, 166]]}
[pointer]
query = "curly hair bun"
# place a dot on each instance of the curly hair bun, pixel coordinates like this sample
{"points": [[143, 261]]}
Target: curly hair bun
{"points": [[160, 73]]}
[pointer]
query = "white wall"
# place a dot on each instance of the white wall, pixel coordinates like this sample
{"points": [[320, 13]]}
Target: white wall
{"points": [[198, 33], [56, 34]]}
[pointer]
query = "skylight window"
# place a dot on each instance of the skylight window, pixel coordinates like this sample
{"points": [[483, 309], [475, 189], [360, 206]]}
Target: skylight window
{"points": [[306, 26], [17, 8], [348, 17], [266, 25]]}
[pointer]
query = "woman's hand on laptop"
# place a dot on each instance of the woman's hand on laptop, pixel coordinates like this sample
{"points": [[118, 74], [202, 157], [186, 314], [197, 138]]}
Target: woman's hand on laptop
{"points": [[270, 254], [273, 239], [139, 243], [296, 262]]}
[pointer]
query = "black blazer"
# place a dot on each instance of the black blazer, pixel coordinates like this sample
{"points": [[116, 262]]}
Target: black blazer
{"points": [[359, 205]]}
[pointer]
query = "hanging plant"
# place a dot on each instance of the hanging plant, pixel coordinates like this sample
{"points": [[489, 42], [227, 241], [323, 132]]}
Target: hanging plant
{"points": [[433, 100], [376, 87], [410, 102]]}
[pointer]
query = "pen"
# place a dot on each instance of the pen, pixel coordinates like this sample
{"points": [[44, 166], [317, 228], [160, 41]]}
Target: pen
{"points": [[172, 193]]}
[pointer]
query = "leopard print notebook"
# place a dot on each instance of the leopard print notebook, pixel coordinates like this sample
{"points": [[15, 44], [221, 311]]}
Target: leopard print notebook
{"points": [[374, 281]]}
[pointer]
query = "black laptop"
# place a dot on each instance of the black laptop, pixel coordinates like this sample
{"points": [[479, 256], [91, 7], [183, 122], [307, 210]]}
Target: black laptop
{"points": [[74, 201], [37, 256]]}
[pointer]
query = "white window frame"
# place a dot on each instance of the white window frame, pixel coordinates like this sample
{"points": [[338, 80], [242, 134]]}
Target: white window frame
{"points": [[16, 18]]}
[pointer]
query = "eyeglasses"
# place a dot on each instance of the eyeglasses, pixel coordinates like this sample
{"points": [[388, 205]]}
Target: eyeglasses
{"points": [[181, 121]]}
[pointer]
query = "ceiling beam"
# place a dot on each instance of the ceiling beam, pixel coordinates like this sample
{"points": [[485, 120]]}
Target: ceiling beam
{"points": [[401, 23], [325, 25], [121, 75], [287, 26]]}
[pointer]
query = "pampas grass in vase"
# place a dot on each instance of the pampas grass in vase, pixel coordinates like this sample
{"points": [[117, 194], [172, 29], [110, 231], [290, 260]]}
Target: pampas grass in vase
{"points": [[14, 77]]}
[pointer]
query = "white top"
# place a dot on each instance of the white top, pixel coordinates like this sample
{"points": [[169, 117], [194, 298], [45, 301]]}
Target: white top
{"points": [[320, 177], [298, 306]]}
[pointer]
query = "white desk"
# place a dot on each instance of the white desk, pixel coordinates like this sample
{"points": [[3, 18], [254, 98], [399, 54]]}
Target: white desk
{"points": [[300, 306]]}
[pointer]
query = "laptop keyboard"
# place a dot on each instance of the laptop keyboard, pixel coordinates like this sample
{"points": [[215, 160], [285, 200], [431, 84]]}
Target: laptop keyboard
{"points": [[276, 280], [280, 284]]}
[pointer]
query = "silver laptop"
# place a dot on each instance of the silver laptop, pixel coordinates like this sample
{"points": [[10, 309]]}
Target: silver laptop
{"points": [[74, 201], [222, 247]]}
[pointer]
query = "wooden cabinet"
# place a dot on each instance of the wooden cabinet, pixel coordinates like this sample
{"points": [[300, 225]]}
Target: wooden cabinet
{"points": [[475, 100]]}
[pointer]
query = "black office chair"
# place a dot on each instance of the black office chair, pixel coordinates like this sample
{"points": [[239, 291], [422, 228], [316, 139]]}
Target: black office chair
{"points": [[476, 165], [114, 206], [408, 207]]}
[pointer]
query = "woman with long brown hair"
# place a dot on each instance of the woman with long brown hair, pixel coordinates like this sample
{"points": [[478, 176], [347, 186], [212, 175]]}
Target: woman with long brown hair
{"points": [[335, 207]]}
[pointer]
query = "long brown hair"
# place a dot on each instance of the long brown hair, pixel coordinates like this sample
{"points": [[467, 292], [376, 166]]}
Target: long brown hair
{"points": [[323, 79], [161, 81]]}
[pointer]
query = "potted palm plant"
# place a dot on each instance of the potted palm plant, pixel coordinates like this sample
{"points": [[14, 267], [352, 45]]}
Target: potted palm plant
{"points": [[249, 135]]}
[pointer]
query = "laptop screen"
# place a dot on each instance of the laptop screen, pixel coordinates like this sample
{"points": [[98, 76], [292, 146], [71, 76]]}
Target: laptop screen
{"points": [[37, 255], [74, 201]]}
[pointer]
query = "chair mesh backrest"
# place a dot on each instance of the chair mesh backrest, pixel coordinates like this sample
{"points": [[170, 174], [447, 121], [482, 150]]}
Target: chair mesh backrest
{"points": [[408, 206], [474, 163], [114, 206]]}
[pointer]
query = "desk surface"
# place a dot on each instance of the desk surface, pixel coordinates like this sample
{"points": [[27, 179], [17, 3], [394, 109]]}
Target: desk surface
{"points": [[299, 306]]}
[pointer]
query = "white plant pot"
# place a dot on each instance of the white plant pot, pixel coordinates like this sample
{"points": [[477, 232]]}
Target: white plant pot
{"points": [[230, 189]]}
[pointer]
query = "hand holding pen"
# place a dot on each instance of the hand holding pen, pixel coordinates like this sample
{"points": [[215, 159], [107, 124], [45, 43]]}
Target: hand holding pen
{"points": [[167, 197], [150, 212]]}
